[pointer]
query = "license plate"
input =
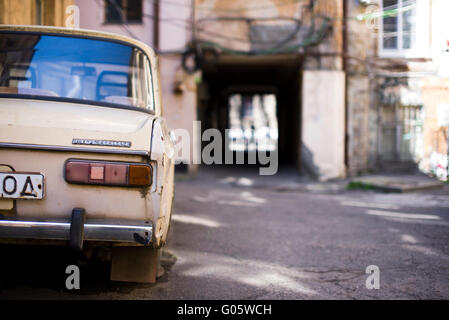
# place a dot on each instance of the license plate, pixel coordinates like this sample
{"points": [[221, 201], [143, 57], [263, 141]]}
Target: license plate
{"points": [[16, 185]]}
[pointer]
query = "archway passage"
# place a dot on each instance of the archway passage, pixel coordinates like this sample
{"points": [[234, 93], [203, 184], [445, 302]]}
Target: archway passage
{"points": [[278, 76]]}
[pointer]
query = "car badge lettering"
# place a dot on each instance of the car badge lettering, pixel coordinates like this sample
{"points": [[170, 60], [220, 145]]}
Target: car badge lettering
{"points": [[103, 143]]}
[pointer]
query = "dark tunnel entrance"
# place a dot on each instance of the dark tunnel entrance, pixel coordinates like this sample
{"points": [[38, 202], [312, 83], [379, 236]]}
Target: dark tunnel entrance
{"points": [[275, 78]]}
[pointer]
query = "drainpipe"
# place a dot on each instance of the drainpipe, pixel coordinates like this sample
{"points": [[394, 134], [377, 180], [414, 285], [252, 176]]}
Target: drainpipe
{"points": [[345, 70], [193, 23], [156, 10]]}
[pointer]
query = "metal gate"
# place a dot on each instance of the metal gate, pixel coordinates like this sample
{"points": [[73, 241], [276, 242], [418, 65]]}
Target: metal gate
{"points": [[401, 133]]}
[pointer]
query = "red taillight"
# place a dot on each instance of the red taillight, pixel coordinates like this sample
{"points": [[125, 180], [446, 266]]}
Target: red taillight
{"points": [[108, 173]]}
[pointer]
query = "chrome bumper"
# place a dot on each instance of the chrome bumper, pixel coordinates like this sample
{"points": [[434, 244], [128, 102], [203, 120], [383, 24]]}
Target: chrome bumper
{"points": [[93, 231]]}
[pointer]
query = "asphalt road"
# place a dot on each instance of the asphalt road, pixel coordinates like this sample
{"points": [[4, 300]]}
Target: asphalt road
{"points": [[239, 236]]}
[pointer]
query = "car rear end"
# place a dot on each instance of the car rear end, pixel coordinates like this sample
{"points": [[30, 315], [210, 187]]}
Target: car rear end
{"points": [[76, 123]]}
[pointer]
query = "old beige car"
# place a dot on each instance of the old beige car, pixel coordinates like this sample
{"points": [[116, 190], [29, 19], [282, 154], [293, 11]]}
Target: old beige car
{"points": [[86, 159]]}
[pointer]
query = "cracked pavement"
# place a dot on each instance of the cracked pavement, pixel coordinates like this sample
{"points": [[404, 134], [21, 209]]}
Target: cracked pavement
{"points": [[236, 235]]}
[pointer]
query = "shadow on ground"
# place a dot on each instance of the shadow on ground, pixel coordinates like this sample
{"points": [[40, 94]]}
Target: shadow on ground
{"points": [[43, 267]]}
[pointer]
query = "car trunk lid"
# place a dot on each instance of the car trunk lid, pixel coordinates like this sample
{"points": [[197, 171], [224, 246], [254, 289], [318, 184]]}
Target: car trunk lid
{"points": [[72, 125]]}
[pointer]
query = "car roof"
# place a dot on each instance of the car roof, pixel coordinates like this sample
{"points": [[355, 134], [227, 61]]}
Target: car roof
{"points": [[80, 32]]}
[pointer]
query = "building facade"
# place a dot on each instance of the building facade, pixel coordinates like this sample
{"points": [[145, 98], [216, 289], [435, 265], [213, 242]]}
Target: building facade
{"points": [[398, 86], [37, 12], [359, 85], [371, 77]]}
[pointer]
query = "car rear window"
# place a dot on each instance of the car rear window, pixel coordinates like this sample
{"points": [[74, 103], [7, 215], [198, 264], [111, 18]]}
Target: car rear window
{"points": [[74, 68]]}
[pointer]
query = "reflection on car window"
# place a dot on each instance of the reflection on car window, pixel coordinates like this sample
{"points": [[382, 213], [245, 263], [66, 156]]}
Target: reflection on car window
{"points": [[74, 68]]}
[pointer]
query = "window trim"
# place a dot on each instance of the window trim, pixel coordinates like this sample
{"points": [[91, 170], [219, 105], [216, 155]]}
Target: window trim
{"points": [[422, 38]]}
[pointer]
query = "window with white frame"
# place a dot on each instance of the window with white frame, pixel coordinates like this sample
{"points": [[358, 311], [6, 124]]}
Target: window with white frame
{"points": [[404, 28]]}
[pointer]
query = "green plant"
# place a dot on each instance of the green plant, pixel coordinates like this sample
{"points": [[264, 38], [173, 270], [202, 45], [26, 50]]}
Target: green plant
{"points": [[354, 185]]}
